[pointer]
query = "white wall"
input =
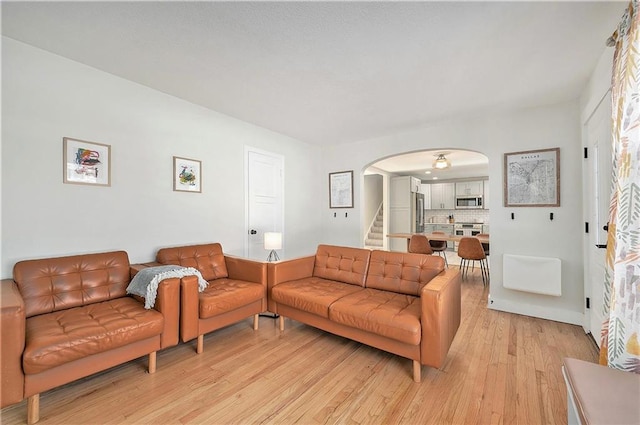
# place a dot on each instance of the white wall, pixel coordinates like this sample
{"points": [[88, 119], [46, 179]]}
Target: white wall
{"points": [[531, 233], [46, 97]]}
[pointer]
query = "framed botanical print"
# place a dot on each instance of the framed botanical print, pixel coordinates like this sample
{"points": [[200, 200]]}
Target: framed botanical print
{"points": [[187, 175]]}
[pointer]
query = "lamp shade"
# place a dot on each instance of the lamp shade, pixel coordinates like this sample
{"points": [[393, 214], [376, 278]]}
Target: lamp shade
{"points": [[272, 240]]}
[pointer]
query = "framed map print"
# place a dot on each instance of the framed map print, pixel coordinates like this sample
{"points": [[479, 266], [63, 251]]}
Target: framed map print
{"points": [[341, 189], [532, 178]]}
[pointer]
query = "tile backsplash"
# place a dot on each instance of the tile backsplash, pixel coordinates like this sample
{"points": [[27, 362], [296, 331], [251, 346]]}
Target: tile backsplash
{"points": [[464, 216]]}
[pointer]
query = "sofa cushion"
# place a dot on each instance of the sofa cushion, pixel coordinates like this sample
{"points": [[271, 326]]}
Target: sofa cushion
{"points": [[312, 294], [54, 284], [208, 259], [60, 337], [223, 295], [389, 314], [402, 272], [342, 264]]}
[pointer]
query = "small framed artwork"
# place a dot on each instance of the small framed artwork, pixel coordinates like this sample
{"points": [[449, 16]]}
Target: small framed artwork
{"points": [[532, 178], [341, 189], [86, 162], [187, 175]]}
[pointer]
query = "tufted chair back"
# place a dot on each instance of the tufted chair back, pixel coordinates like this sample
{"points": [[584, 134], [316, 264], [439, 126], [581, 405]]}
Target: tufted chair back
{"points": [[208, 259], [54, 284], [402, 273], [343, 264]]}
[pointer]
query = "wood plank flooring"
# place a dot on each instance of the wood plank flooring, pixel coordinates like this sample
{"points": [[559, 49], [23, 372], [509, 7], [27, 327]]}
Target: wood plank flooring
{"points": [[502, 369]]}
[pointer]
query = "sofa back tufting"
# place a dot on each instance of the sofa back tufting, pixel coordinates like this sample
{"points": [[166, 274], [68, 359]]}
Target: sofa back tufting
{"points": [[208, 259], [342, 264], [54, 284], [401, 272]]}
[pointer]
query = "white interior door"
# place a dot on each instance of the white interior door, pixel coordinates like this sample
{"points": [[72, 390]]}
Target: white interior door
{"points": [[265, 200], [598, 196]]}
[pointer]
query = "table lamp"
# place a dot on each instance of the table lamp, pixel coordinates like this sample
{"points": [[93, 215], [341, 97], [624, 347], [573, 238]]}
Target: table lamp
{"points": [[273, 241]]}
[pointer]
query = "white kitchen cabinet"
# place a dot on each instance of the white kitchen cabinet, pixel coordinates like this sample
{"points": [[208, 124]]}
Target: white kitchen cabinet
{"points": [[425, 189], [485, 199], [443, 196], [473, 188]]}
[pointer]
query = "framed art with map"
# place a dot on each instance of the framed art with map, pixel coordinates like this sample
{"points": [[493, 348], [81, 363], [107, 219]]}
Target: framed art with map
{"points": [[341, 189], [532, 178]]}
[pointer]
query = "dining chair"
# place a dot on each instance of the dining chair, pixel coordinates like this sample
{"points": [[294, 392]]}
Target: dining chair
{"points": [[470, 250], [419, 244], [439, 247]]}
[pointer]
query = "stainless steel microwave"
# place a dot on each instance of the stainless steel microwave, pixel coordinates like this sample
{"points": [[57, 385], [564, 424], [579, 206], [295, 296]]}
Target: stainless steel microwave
{"points": [[468, 202]]}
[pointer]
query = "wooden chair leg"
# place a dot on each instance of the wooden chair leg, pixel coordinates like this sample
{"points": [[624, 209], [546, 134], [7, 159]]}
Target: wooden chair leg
{"points": [[152, 362], [281, 323], [33, 409], [417, 371], [255, 322], [200, 346]]}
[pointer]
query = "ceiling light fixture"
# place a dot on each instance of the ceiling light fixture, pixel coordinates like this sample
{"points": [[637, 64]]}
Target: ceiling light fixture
{"points": [[427, 172], [441, 162]]}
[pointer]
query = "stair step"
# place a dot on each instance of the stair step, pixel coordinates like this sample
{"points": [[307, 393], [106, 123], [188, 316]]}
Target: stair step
{"points": [[376, 236], [373, 242]]}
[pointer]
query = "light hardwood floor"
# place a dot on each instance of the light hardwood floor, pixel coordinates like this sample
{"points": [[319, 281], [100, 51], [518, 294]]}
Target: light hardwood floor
{"points": [[502, 368]]}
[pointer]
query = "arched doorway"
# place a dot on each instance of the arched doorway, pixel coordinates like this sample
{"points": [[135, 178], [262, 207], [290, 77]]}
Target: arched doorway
{"points": [[441, 193]]}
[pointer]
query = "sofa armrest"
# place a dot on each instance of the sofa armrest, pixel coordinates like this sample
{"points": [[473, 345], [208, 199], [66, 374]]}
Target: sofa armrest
{"points": [[247, 270], [12, 333], [440, 316], [168, 303], [285, 271], [189, 308]]}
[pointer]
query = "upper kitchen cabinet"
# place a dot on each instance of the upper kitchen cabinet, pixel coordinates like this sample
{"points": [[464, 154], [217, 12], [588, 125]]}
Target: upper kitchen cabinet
{"points": [[426, 190], [443, 196], [473, 188]]}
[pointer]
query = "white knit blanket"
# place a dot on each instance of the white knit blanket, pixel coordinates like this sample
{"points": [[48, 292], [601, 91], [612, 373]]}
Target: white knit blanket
{"points": [[145, 282]]}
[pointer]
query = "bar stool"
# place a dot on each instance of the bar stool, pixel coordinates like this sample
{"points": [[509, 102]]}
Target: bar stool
{"points": [[470, 249], [439, 247], [419, 244]]}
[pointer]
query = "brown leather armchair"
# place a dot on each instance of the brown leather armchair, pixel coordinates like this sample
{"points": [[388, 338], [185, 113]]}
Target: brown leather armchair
{"points": [[237, 289], [66, 318]]}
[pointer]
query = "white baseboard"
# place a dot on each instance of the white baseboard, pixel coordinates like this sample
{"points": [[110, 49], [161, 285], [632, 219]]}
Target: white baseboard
{"points": [[564, 316]]}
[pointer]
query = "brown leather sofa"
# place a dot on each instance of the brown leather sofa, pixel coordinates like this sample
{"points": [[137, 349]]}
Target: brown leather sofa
{"points": [[237, 289], [69, 317], [406, 304]]}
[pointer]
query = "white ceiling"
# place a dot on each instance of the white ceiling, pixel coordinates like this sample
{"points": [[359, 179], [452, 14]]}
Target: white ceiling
{"points": [[464, 164], [332, 72]]}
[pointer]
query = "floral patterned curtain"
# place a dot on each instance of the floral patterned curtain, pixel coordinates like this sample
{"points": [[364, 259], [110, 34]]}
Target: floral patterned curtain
{"points": [[620, 347]]}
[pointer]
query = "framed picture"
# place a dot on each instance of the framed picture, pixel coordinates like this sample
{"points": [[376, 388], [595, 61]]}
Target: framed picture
{"points": [[532, 178], [341, 189], [86, 162], [187, 175]]}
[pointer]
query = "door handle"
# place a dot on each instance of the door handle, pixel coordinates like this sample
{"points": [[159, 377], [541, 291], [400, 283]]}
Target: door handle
{"points": [[601, 245], [253, 231], [606, 227]]}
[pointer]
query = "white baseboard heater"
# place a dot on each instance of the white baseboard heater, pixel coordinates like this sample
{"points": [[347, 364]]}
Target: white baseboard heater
{"points": [[539, 275]]}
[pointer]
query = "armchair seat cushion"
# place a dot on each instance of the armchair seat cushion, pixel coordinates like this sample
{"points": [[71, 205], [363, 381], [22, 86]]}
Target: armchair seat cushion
{"points": [[393, 315], [63, 336], [312, 294], [223, 295]]}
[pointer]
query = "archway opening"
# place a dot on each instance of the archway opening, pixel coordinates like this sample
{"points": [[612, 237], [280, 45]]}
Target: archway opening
{"points": [[409, 193]]}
